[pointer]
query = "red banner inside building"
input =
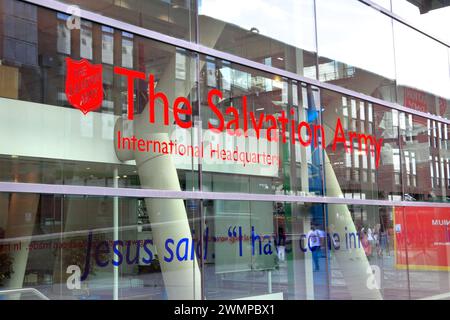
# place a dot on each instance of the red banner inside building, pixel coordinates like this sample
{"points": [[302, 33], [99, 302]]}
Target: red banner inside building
{"points": [[422, 238]]}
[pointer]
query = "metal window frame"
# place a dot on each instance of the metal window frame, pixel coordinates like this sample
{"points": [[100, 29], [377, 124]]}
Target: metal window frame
{"points": [[80, 190], [200, 49]]}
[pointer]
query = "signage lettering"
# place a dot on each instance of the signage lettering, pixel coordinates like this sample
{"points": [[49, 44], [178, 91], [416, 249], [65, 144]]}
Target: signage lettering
{"points": [[84, 92]]}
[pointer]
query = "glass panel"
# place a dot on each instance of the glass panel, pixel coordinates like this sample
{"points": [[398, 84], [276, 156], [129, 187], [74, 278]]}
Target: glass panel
{"points": [[266, 37], [46, 139], [355, 47], [251, 124], [265, 250], [364, 253], [430, 17], [69, 247], [425, 158], [171, 17], [89, 247], [423, 76], [362, 155]]}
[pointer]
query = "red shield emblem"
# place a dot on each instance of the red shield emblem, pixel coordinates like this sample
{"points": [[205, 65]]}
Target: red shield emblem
{"points": [[84, 88]]}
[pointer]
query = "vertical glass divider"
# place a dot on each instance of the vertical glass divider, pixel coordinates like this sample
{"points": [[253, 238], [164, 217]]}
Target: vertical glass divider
{"points": [[116, 234]]}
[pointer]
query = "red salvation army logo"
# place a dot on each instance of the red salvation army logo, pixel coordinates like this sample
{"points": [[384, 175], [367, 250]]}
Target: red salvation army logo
{"points": [[84, 88]]}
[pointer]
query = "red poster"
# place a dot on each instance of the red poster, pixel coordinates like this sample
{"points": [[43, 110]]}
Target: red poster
{"points": [[422, 238]]}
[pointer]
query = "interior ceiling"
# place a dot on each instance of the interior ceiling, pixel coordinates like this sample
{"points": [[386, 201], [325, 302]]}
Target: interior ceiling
{"points": [[428, 5]]}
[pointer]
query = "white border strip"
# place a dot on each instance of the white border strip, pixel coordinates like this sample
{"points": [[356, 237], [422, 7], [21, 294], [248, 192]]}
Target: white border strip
{"points": [[38, 188]]}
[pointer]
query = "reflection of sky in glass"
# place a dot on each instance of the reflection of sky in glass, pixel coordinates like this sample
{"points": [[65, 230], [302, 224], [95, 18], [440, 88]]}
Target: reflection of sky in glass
{"points": [[352, 33], [421, 62], [288, 21], [436, 22], [355, 34]]}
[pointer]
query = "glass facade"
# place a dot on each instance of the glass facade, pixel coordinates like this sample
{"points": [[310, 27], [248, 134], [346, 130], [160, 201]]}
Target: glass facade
{"points": [[223, 150]]}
